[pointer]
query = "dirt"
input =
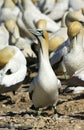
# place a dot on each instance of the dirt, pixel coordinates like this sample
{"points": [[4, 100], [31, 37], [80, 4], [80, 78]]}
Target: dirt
{"points": [[16, 112]]}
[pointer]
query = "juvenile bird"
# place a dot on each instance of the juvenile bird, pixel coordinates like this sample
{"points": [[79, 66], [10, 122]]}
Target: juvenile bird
{"points": [[43, 89]]}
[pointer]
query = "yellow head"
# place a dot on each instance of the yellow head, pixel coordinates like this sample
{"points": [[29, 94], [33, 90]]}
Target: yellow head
{"points": [[5, 55], [74, 28], [41, 24]]}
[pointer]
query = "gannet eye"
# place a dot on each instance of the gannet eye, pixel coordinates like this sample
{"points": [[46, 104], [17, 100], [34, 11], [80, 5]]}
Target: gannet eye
{"points": [[40, 32], [8, 72], [36, 32]]}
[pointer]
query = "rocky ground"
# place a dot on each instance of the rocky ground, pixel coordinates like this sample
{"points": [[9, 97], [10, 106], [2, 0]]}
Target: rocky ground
{"points": [[15, 113]]}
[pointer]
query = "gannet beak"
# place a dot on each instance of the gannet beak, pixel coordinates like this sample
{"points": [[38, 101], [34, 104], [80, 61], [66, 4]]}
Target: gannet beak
{"points": [[36, 32]]}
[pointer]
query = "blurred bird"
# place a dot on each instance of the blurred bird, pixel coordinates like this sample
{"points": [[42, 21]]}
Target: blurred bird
{"points": [[74, 58], [76, 15], [1, 3], [76, 4], [31, 15], [75, 83], [24, 44], [13, 69], [46, 5], [9, 10], [58, 10], [4, 36], [43, 89]]}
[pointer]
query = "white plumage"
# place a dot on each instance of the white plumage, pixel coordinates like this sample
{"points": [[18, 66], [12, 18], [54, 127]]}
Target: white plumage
{"points": [[74, 58], [32, 15], [44, 87], [13, 72]]}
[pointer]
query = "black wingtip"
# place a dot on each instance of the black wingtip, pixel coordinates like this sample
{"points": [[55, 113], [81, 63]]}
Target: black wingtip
{"points": [[67, 91]]}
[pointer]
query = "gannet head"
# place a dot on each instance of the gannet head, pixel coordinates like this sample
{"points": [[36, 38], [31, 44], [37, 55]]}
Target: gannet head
{"points": [[74, 28], [74, 16], [41, 24], [43, 40], [5, 55]]}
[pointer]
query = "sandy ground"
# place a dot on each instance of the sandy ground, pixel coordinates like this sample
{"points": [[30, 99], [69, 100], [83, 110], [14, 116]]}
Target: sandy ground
{"points": [[15, 112]]}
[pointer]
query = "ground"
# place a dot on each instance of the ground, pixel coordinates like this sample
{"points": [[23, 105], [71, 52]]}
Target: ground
{"points": [[15, 113]]}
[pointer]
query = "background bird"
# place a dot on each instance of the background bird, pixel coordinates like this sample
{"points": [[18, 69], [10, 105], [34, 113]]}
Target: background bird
{"points": [[13, 69]]}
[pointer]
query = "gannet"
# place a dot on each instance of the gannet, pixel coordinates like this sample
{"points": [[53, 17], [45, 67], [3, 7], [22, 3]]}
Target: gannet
{"points": [[76, 15], [58, 44], [9, 10], [24, 44], [76, 4], [43, 89], [14, 70], [74, 58], [32, 14], [58, 10]]}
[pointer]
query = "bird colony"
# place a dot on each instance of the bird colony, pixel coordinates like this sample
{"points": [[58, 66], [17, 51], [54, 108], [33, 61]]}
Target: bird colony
{"points": [[48, 35]]}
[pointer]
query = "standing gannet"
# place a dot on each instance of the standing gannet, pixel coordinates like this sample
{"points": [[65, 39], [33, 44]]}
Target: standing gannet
{"points": [[74, 58], [13, 69], [43, 89]]}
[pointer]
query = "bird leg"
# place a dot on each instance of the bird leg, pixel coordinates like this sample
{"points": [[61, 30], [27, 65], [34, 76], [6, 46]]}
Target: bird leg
{"points": [[56, 113], [38, 113], [64, 69]]}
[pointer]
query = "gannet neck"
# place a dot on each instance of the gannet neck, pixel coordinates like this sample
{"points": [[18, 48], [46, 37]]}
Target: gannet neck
{"points": [[44, 46]]}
